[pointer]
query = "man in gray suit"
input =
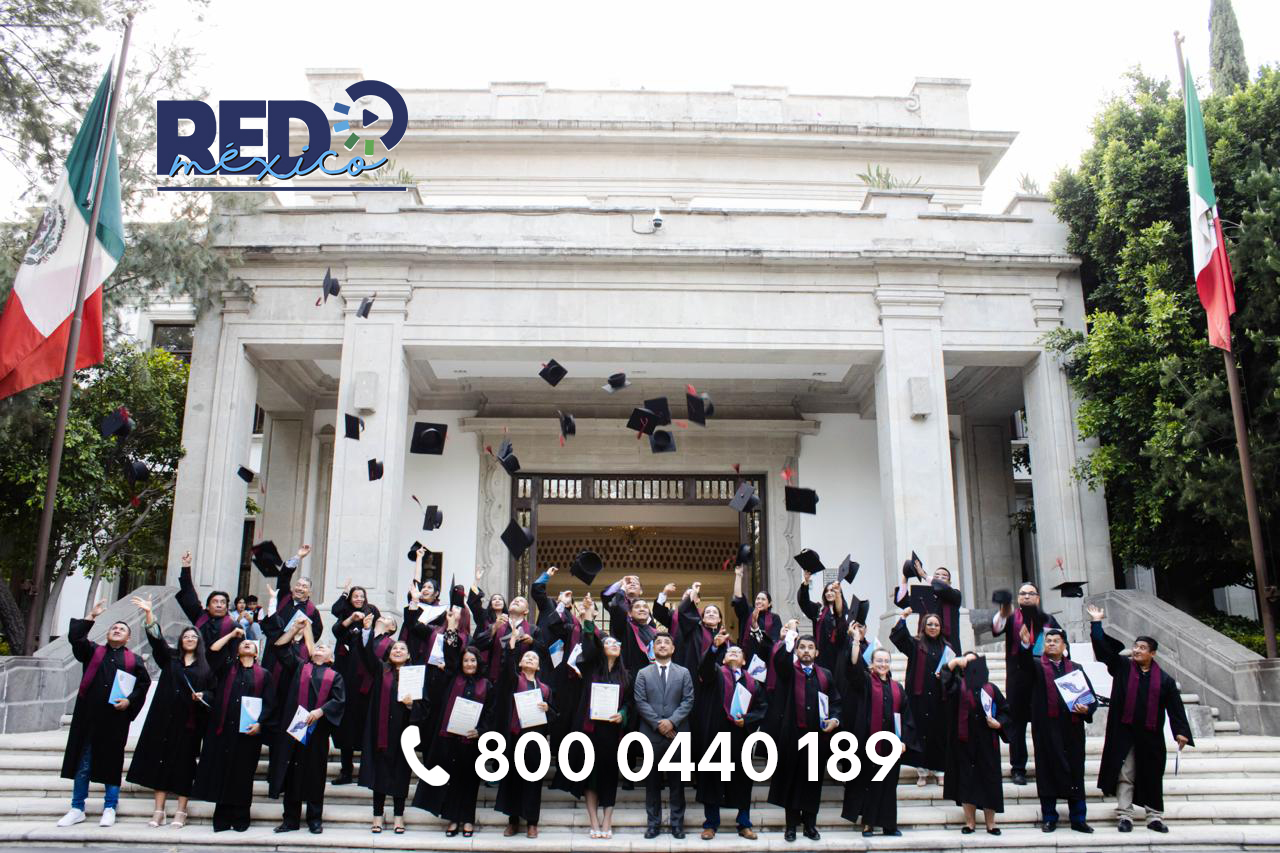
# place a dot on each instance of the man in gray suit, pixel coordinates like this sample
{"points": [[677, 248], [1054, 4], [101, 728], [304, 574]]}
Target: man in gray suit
{"points": [[663, 695]]}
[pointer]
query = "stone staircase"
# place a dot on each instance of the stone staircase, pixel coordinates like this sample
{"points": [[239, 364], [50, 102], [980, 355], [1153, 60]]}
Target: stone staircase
{"points": [[1225, 796]]}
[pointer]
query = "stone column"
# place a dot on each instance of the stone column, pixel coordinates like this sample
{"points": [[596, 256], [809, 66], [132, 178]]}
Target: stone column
{"points": [[286, 457], [914, 438], [364, 515]]}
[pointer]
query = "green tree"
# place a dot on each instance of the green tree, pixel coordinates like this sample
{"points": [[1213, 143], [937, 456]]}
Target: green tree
{"points": [[1152, 390], [1227, 69]]}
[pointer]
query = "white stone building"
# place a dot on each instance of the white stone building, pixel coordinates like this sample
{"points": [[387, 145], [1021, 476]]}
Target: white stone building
{"points": [[879, 343]]}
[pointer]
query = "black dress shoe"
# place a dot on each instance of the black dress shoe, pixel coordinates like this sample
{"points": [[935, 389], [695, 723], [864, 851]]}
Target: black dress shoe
{"points": [[867, 833], [1019, 777], [1157, 825], [811, 833], [344, 778], [894, 832], [789, 834], [315, 826], [1081, 826], [966, 830], [285, 826], [677, 832], [1125, 825], [651, 832], [1048, 827]]}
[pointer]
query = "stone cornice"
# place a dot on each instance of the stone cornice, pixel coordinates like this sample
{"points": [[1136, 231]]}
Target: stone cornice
{"points": [[601, 426]]}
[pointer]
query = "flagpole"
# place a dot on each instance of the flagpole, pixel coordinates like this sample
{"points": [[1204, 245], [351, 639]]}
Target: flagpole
{"points": [[35, 615], [1261, 581]]}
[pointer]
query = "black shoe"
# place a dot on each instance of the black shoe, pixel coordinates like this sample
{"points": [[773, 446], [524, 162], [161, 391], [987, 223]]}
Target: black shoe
{"points": [[315, 826], [244, 828], [867, 833], [1157, 825], [677, 832], [1048, 826], [811, 833], [285, 826], [789, 834], [1125, 825], [1081, 826], [651, 832], [344, 777], [995, 830], [967, 830], [1019, 777], [894, 832]]}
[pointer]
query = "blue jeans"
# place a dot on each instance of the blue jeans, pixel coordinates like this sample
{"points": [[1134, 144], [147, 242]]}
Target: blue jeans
{"points": [[712, 815], [80, 787], [1075, 808]]}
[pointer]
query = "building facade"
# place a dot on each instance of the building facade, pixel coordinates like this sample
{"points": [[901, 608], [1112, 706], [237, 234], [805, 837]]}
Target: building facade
{"points": [[881, 346]]}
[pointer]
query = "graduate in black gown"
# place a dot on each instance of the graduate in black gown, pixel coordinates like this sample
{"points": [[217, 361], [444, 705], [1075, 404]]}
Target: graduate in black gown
{"points": [[799, 681], [873, 703], [758, 626], [214, 620], [349, 613], [697, 630], [635, 623], [95, 743], [294, 594], [559, 626], [229, 755], [484, 610], [298, 771], [716, 711], [458, 677], [519, 798], [1133, 754], [924, 693], [1008, 622], [974, 780], [946, 600], [830, 619], [164, 758], [1056, 730], [492, 640]]}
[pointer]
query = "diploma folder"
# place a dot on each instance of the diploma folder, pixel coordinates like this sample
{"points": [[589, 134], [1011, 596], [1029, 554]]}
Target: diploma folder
{"points": [[250, 712], [122, 686]]}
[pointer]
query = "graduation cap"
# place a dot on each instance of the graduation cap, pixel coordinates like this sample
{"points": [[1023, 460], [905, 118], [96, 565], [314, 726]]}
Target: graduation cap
{"points": [[245, 474], [428, 438], [643, 421], [506, 457], [1071, 589], [810, 561], [568, 426], [375, 469], [517, 539], [136, 472], [329, 287], [746, 554], [860, 608], [801, 500], [848, 569], [433, 518], [699, 405], [586, 566], [267, 558], [662, 441], [365, 304], [922, 599], [916, 564], [616, 382], [118, 423], [976, 673], [660, 407], [745, 499], [553, 371], [1002, 597], [413, 551], [354, 426]]}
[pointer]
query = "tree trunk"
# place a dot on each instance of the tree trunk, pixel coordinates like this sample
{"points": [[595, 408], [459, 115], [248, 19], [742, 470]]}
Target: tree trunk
{"points": [[92, 597], [55, 593], [15, 627]]}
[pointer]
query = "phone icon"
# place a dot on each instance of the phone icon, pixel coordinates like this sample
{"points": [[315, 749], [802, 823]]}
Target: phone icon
{"points": [[437, 776]]}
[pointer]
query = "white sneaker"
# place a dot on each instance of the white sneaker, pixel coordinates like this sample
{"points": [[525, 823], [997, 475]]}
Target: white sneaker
{"points": [[71, 818], [108, 818]]}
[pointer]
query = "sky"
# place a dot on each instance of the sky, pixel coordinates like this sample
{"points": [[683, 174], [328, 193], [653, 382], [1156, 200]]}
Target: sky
{"points": [[1037, 67]]}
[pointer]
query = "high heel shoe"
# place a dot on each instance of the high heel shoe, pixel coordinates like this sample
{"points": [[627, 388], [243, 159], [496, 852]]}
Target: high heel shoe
{"points": [[179, 819], [157, 818], [377, 826], [467, 833], [451, 830]]}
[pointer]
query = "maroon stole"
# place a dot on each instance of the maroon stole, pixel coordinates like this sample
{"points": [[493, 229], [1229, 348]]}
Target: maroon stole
{"points": [[298, 650], [384, 713], [766, 621], [828, 612], [1153, 696], [798, 684], [479, 688], [304, 683], [967, 703], [225, 624], [729, 684], [523, 684], [95, 664], [1015, 635], [877, 701], [380, 645], [1052, 699], [259, 678], [495, 648]]}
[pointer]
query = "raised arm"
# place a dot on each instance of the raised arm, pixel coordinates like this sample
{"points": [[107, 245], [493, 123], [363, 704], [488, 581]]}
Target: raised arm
{"points": [[901, 637], [807, 606], [78, 634], [538, 593], [188, 598], [1104, 647]]}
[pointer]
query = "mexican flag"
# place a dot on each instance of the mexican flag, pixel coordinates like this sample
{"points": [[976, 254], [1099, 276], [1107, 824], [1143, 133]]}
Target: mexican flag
{"points": [[36, 323], [1208, 248]]}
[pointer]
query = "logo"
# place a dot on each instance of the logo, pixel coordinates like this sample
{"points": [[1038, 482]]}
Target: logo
{"points": [[48, 235], [177, 152]]}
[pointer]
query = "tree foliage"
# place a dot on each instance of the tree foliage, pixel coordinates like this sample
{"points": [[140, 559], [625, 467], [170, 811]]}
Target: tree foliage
{"points": [[1153, 391], [1228, 70]]}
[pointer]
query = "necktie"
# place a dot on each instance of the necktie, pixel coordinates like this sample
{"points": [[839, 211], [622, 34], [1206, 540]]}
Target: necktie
{"points": [[808, 671], [662, 674]]}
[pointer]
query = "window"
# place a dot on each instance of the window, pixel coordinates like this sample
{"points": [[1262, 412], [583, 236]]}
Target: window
{"points": [[173, 338], [259, 419]]}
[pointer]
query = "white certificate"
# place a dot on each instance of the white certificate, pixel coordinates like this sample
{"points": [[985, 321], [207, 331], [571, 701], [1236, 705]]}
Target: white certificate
{"points": [[757, 668], [431, 612], [604, 700], [122, 686], [412, 679], [299, 728], [823, 707], [556, 652], [574, 656], [465, 717], [436, 658], [527, 709], [741, 701], [988, 704]]}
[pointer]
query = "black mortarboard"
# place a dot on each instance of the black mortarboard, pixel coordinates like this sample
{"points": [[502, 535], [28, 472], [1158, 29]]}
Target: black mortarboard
{"points": [[745, 499], [329, 287], [922, 599], [643, 420], [801, 500], [848, 569], [375, 469], [506, 457], [267, 558], [699, 405], [660, 407], [517, 539], [746, 554], [586, 566], [1071, 589], [433, 518], [428, 438], [553, 371], [860, 608], [245, 474], [662, 441], [365, 304], [118, 423], [810, 561], [1002, 597], [917, 562], [135, 472], [976, 673], [568, 425], [616, 382], [353, 426], [413, 551]]}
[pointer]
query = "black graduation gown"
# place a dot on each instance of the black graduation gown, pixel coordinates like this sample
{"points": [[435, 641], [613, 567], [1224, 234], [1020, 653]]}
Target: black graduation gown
{"points": [[383, 769], [973, 765], [950, 600], [790, 786], [709, 719], [1017, 681], [756, 641], [926, 706], [164, 758], [189, 600], [286, 605], [865, 801], [692, 640], [358, 679], [517, 798], [299, 770], [456, 801], [1148, 744], [604, 736], [1059, 740], [830, 630], [229, 759], [557, 626], [94, 722]]}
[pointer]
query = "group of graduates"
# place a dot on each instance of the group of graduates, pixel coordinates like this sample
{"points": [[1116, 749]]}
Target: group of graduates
{"points": [[222, 695]]}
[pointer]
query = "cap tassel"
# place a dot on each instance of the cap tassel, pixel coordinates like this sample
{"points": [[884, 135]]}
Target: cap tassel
{"points": [[787, 474], [644, 424]]}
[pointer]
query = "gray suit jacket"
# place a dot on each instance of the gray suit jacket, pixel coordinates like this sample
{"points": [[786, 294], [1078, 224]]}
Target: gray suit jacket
{"points": [[655, 704]]}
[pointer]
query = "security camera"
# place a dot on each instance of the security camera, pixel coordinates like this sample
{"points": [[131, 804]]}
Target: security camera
{"points": [[657, 219]]}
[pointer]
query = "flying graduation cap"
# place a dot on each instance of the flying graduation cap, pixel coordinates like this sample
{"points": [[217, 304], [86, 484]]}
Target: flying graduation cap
{"points": [[517, 539], [375, 469], [365, 304], [245, 474], [746, 554], [860, 607], [1071, 589], [848, 569], [699, 405], [119, 423], [506, 456], [267, 558], [136, 472], [801, 500], [586, 566], [428, 438], [745, 499], [661, 408], [553, 371], [810, 561], [923, 599], [329, 287], [433, 518], [568, 426], [354, 426], [643, 421], [616, 382], [662, 441]]}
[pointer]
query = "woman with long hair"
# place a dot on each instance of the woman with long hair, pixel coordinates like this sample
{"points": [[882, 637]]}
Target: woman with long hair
{"points": [[698, 630], [518, 797], [830, 619], [349, 612], [383, 767], [924, 693]]}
